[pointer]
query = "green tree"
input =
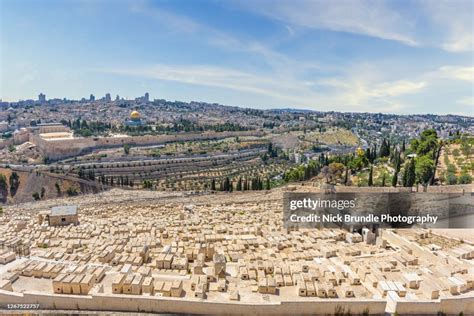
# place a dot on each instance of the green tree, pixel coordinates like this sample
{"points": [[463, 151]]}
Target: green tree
{"points": [[71, 191], [14, 183], [239, 184], [370, 182], [227, 184], [395, 179], [424, 170], [410, 173], [81, 173], [466, 145], [358, 162], [36, 196], [3, 188], [147, 184], [384, 148], [451, 178], [58, 188], [126, 149], [427, 143]]}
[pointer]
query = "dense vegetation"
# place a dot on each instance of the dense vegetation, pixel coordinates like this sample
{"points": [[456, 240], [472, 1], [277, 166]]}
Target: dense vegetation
{"points": [[396, 164], [86, 128]]}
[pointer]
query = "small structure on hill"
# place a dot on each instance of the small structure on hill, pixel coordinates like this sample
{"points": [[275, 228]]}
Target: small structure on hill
{"points": [[62, 215]]}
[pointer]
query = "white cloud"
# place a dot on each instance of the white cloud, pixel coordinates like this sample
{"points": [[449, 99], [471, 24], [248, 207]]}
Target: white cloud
{"points": [[359, 93], [370, 18], [456, 72], [447, 24], [454, 20], [279, 88], [360, 88], [223, 40], [400, 87], [460, 42]]}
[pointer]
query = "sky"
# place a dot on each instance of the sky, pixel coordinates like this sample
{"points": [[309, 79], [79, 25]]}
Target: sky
{"points": [[399, 57]]}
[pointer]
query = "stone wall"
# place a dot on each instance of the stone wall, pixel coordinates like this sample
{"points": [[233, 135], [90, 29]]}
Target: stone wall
{"points": [[126, 303], [63, 148], [447, 306], [58, 220], [18, 138]]}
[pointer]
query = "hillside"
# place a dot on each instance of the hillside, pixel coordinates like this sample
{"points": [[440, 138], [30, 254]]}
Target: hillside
{"points": [[455, 161], [42, 184]]}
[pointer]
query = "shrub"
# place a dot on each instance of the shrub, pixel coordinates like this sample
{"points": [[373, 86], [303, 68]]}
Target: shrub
{"points": [[451, 179], [465, 179]]}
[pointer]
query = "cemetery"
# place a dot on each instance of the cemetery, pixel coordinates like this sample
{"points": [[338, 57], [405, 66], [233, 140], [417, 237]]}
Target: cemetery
{"points": [[222, 250]]}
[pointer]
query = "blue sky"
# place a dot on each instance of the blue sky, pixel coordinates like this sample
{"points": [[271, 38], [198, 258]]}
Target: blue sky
{"points": [[343, 55]]}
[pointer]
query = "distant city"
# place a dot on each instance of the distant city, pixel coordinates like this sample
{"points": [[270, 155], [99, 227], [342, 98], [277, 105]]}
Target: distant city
{"points": [[161, 114]]}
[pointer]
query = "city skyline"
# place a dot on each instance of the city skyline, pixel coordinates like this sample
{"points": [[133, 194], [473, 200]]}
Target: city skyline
{"points": [[355, 56]]}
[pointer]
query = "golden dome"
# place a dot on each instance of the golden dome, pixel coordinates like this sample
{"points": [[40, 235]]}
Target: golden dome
{"points": [[135, 115]]}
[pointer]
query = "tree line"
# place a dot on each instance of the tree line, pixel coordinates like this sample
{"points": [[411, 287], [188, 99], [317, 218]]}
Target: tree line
{"points": [[254, 184], [11, 185]]}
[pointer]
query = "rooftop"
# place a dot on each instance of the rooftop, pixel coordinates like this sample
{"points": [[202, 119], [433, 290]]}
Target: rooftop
{"points": [[64, 210]]}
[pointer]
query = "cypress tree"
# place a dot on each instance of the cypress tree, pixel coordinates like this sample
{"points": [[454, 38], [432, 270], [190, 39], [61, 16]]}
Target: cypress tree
{"points": [[3, 188], [14, 183], [405, 176], [395, 179], [397, 162], [239, 184], [371, 183], [307, 174], [385, 148], [411, 175]]}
